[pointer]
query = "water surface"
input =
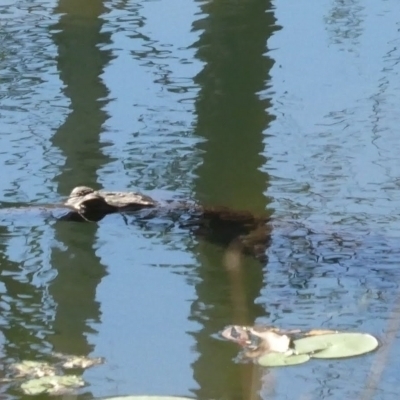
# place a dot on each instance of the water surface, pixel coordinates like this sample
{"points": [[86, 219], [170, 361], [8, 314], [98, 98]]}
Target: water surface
{"points": [[288, 109]]}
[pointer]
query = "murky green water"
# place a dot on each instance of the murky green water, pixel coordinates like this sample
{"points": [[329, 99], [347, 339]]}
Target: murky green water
{"points": [[289, 107]]}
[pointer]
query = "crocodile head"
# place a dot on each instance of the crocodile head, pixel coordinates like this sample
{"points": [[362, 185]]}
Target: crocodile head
{"points": [[93, 202], [87, 201]]}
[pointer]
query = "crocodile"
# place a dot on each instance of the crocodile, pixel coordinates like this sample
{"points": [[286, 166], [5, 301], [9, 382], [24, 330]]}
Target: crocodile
{"points": [[246, 231], [221, 225]]}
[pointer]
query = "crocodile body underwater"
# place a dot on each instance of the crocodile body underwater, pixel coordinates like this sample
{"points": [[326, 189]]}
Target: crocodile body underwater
{"points": [[247, 232]]}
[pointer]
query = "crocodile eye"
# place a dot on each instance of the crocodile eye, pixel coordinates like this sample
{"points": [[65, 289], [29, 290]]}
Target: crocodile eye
{"points": [[81, 191]]}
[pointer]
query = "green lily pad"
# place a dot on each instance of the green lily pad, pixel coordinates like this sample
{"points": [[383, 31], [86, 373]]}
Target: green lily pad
{"points": [[52, 384], [336, 345], [281, 359]]}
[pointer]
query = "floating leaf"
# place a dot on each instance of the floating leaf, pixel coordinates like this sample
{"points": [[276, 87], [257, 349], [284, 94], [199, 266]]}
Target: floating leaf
{"points": [[336, 345], [34, 369], [281, 360], [6, 380], [71, 361], [82, 362], [52, 384]]}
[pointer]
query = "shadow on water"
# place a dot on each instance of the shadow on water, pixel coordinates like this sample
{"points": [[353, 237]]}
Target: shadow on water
{"points": [[231, 117], [25, 310], [80, 63]]}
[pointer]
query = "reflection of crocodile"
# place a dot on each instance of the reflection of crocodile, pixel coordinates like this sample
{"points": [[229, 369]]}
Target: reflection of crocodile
{"points": [[247, 232], [221, 225]]}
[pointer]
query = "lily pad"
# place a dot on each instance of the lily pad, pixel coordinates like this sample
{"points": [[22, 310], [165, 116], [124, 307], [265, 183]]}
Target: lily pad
{"points": [[336, 345], [71, 361], [52, 384], [281, 359], [33, 369]]}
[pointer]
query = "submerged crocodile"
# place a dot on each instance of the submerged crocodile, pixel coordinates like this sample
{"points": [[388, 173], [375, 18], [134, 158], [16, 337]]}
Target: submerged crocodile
{"points": [[248, 232], [93, 205]]}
